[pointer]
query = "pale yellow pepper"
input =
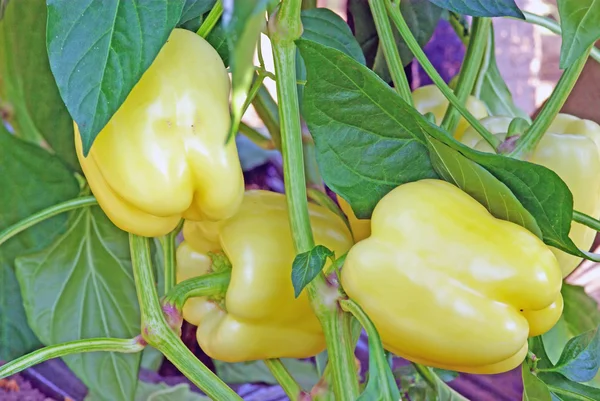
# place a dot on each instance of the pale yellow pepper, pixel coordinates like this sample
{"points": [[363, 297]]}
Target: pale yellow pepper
{"points": [[361, 228], [448, 285], [163, 156], [571, 148]]}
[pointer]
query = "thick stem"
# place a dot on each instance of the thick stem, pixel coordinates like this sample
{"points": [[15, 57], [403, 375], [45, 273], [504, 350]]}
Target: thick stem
{"points": [[45, 214], [211, 19], [167, 242], [468, 71], [528, 142], [413, 45], [69, 348], [284, 28], [157, 332], [390, 49], [284, 378], [203, 286]]}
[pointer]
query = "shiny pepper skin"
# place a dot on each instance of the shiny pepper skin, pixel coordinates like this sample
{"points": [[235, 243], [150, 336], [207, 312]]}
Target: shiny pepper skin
{"points": [[449, 285], [571, 148], [259, 318], [429, 99], [162, 156]]}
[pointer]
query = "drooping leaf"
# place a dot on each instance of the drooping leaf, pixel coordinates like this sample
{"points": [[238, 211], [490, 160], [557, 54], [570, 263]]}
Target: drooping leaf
{"points": [[421, 17], [99, 49], [307, 265], [27, 88], [580, 359], [533, 388], [580, 28], [82, 286], [491, 88], [482, 8], [31, 180]]}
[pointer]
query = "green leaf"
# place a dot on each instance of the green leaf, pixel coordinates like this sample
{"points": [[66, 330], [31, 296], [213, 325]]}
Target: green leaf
{"points": [[27, 88], [366, 146], [491, 88], [482, 8], [304, 372], [99, 49], [441, 390], [533, 388], [218, 40], [31, 180], [82, 287], [307, 265], [192, 13], [160, 392], [421, 17], [475, 180], [580, 358], [242, 21], [580, 28], [563, 389]]}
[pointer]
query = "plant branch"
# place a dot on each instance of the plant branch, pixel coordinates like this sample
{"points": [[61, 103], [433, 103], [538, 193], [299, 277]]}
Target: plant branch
{"points": [[413, 45], [212, 284], [157, 332], [211, 19], [129, 346], [586, 220], [529, 140], [167, 243], [390, 49], [45, 214], [284, 378], [266, 108], [256, 137], [469, 69]]}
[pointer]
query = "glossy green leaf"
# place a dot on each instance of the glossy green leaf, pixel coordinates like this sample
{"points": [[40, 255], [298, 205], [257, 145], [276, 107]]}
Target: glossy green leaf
{"points": [[27, 87], [305, 372], [82, 286], [421, 17], [580, 359], [31, 180], [533, 388], [192, 13], [160, 392], [580, 28], [242, 21], [491, 88], [218, 40], [366, 145], [475, 180], [563, 389], [482, 8], [99, 49], [307, 265]]}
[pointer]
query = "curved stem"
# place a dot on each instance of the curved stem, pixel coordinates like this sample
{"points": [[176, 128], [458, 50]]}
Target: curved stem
{"points": [[167, 243], [203, 286], [211, 19], [413, 45], [157, 332], [553, 26], [586, 220], [324, 200], [345, 380], [284, 378], [256, 137], [45, 214], [133, 345], [266, 108], [469, 70], [528, 141], [390, 49]]}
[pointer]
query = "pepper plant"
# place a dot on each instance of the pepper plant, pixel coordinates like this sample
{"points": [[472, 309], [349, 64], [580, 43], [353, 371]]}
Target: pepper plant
{"points": [[456, 216]]}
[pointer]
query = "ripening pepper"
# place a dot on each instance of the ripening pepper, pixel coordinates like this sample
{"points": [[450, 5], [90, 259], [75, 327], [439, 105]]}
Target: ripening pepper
{"points": [[429, 99], [448, 285], [259, 317], [162, 156], [361, 228], [571, 148]]}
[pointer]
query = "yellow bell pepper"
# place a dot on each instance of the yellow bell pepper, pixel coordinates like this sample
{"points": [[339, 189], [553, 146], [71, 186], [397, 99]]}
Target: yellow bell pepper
{"points": [[448, 285], [162, 156], [429, 99], [571, 148], [361, 228], [260, 318]]}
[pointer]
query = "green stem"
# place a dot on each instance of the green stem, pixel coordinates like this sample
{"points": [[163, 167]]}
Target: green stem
{"points": [[208, 285], [469, 69], [586, 220], [157, 332], [390, 49], [256, 137], [284, 378], [324, 200], [267, 110], [528, 142], [554, 26], [211, 19], [283, 30], [413, 45], [45, 214], [167, 243], [307, 4], [460, 26], [69, 348]]}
